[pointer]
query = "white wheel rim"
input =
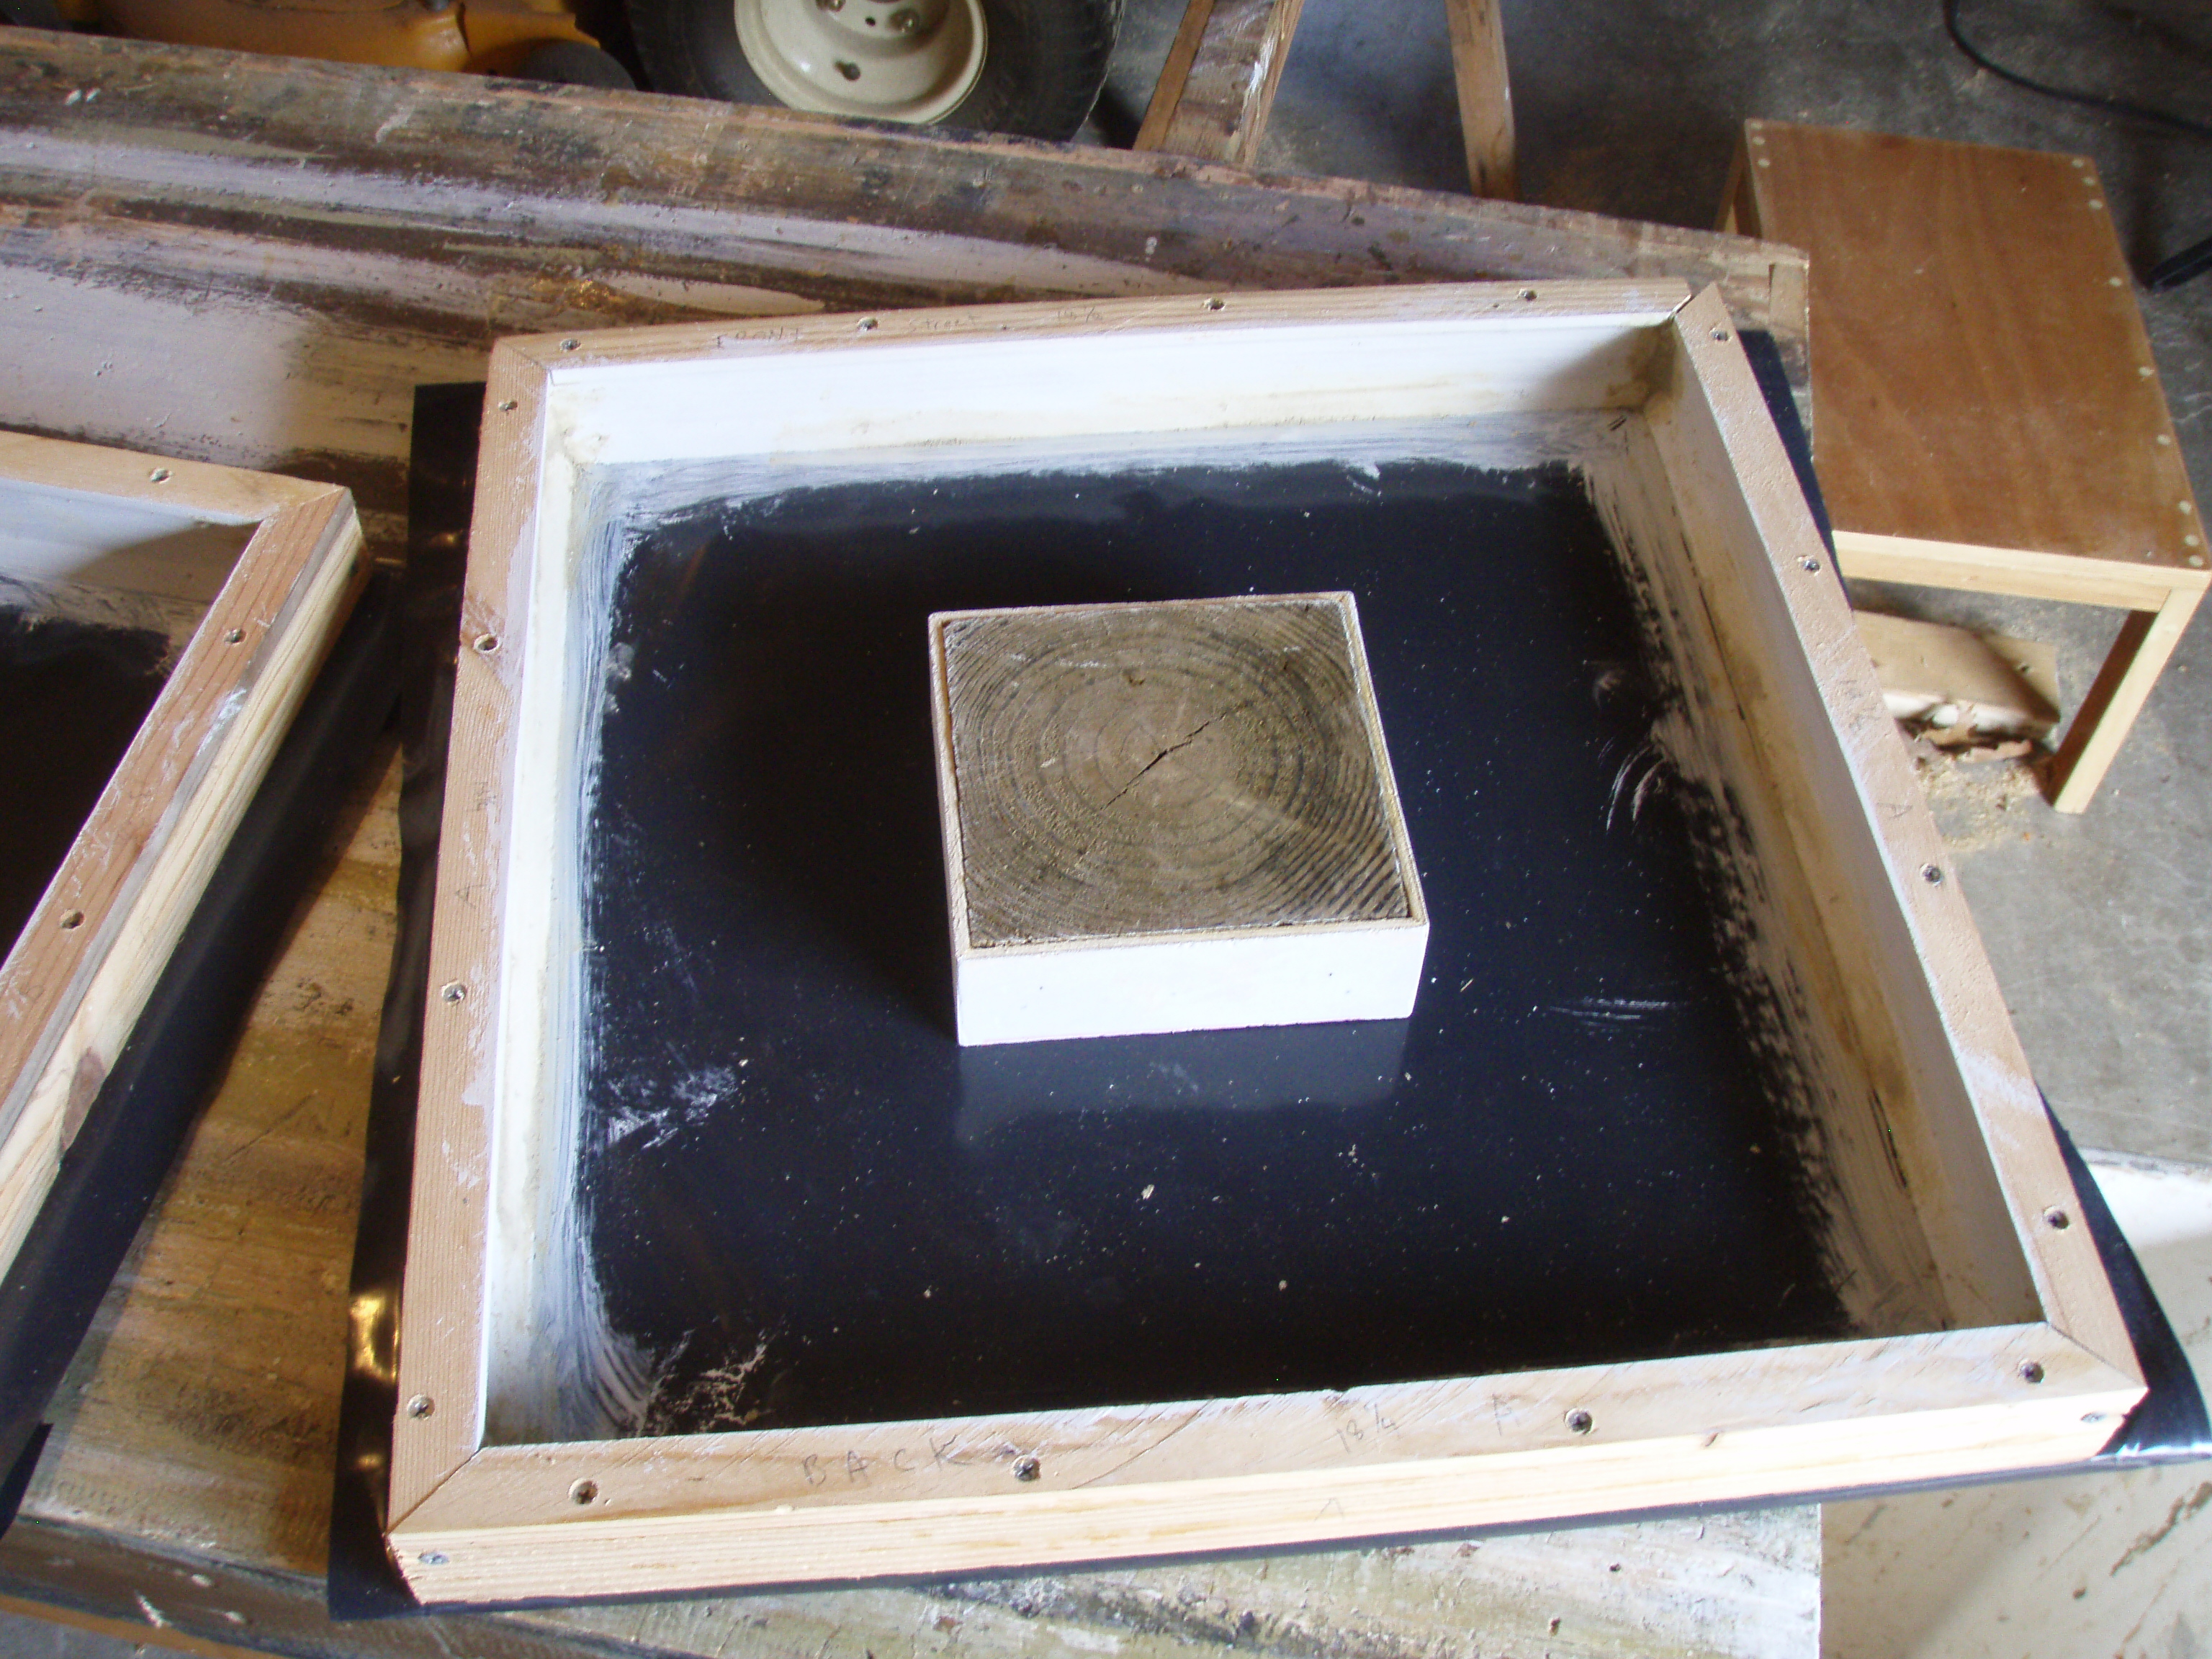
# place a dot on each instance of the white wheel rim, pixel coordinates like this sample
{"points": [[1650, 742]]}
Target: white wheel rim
{"points": [[885, 60]]}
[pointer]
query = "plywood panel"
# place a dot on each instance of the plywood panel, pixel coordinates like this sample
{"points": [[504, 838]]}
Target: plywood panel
{"points": [[1981, 372]]}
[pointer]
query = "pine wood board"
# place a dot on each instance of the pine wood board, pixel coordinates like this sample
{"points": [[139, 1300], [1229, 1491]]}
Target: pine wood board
{"points": [[1217, 87], [359, 232], [1485, 96], [74, 980]]}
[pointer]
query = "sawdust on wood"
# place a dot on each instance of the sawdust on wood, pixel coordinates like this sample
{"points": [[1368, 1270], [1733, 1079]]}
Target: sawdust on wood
{"points": [[1980, 801]]}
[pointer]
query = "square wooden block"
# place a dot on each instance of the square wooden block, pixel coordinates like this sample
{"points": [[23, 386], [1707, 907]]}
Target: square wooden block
{"points": [[1171, 816]]}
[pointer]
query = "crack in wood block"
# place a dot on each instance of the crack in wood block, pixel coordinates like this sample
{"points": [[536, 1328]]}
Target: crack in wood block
{"points": [[1208, 772]]}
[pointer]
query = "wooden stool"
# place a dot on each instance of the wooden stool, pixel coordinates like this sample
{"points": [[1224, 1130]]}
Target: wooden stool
{"points": [[1985, 411]]}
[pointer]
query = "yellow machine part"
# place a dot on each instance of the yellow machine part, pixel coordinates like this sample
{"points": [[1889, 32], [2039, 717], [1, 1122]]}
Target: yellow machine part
{"points": [[490, 36]]}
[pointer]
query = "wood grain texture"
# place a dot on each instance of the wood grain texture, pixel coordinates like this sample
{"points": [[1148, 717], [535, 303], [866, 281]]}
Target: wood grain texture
{"points": [[1485, 96], [1958, 1106], [73, 983], [1218, 87], [1989, 416], [355, 233], [200, 1415], [1981, 372], [1168, 768]]}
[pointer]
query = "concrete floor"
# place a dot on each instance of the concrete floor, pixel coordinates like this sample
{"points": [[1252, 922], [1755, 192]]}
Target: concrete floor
{"points": [[2099, 926]]}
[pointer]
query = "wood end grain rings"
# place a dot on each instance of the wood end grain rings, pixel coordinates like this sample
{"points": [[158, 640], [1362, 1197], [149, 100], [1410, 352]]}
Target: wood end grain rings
{"points": [[1119, 772]]}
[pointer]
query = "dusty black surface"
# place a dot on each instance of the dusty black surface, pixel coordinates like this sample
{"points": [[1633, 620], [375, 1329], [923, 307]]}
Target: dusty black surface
{"points": [[1567, 1155], [71, 697]]}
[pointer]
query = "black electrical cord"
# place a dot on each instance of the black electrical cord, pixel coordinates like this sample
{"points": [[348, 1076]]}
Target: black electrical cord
{"points": [[2101, 100], [2170, 272]]}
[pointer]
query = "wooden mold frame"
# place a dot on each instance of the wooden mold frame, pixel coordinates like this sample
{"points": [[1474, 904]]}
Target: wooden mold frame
{"points": [[1991, 1338], [275, 564]]}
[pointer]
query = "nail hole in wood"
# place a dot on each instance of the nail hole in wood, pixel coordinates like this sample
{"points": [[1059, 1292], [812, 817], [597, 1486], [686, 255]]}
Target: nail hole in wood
{"points": [[236, 637], [1580, 1421], [2057, 1219], [160, 475], [487, 643], [1932, 874], [420, 1405], [2031, 1371], [453, 991], [583, 1492], [1027, 1469], [1720, 334], [71, 921]]}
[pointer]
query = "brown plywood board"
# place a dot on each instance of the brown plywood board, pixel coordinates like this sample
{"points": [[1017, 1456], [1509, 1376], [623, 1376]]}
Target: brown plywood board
{"points": [[1981, 372]]}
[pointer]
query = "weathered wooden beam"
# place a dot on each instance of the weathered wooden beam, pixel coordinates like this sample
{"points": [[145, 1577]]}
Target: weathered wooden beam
{"points": [[255, 261], [1214, 94], [1485, 95]]}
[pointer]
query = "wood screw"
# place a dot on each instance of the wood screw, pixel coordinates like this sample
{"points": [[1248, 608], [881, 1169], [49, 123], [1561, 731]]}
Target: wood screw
{"points": [[160, 475], [453, 991], [1215, 305], [583, 1492], [1580, 1421], [570, 345], [2031, 1371], [420, 1405], [1812, 565], [431, 1558], [868, 324], [1932, 874], [2057, 1219], [505, 404], [71, 921], [1027, 1469], [1528, 293], [236, 637]]}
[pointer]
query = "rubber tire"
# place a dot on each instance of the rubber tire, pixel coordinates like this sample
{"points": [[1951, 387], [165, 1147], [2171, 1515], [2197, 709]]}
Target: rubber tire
{"points": [[1044, 60], [572, 64], [32, 14]]}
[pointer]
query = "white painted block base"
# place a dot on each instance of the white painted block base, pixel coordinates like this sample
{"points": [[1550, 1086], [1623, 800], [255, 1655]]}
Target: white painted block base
{"points": [[1274, 976]]}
